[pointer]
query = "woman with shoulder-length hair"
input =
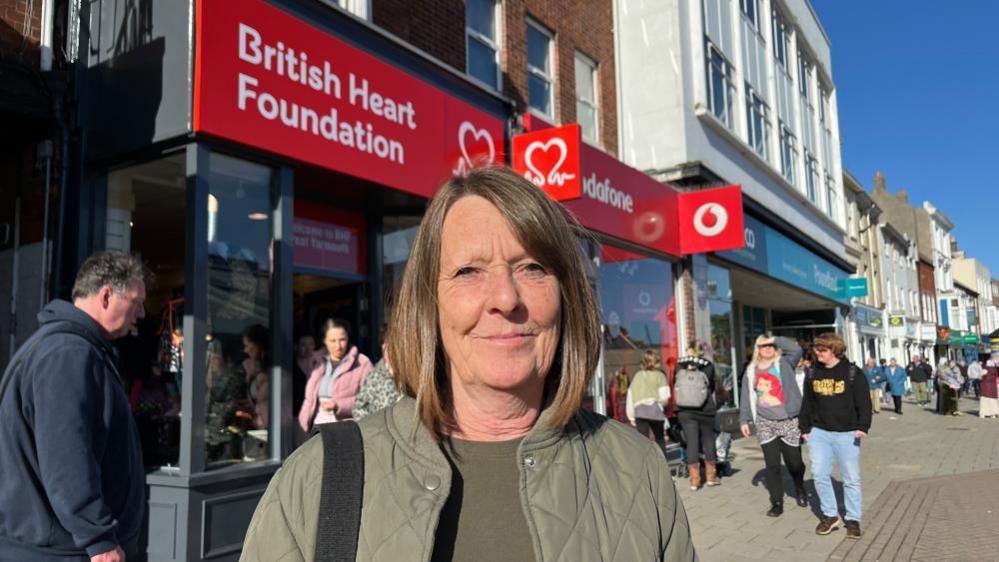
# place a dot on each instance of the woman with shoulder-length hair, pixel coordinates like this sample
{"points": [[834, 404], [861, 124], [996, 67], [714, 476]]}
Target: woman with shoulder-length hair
{"points": [[648, 394], [489, 456], [338, 370], [771, 400]]}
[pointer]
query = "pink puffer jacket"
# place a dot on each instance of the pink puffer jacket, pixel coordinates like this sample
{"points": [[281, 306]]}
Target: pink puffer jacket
{"points": [[347, 379]]}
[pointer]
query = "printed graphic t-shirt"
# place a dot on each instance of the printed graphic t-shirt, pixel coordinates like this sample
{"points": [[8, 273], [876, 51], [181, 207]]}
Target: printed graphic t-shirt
{"points": [[770, 395]]}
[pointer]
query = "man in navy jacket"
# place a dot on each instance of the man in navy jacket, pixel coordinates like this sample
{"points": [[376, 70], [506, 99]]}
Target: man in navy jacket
{"points": [[73, 486]]}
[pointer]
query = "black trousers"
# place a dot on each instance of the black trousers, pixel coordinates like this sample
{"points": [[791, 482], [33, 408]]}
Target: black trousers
{"points": [[772, 452], [699, 432], [898, 403], [657, 426]]}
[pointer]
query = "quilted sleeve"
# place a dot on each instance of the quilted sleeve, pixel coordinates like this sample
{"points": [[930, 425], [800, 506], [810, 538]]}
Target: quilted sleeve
{"points": [[675, 530]]}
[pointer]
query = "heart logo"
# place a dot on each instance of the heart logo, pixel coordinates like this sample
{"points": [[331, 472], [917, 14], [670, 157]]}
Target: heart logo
{"points": [[715, 225], [470, 137], [553, 178]]}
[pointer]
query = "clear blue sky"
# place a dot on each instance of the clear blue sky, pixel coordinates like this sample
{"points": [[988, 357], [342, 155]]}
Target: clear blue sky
{"points": [[918, 93]]}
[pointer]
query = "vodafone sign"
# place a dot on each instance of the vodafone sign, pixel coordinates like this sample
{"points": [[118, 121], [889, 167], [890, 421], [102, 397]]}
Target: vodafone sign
{"points": [[269, 80], [610, 197]]}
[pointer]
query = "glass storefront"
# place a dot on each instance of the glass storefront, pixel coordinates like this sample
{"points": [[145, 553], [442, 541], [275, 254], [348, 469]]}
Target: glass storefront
{"points": [[721, 348], [639, 313]]}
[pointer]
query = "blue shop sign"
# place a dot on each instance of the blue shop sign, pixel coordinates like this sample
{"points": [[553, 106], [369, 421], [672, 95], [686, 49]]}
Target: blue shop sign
{"points": [[776, 255]]}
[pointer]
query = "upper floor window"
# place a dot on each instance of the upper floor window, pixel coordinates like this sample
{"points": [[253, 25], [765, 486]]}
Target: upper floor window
{"points": [[586, 97], [539, 69], [482, 41], [804, 76], [781, 39], [758, 123], [721, 90], [751, 9], [788, 152], [811, 178]]}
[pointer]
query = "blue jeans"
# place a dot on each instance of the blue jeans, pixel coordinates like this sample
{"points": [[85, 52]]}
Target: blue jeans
{"points": [[844, 447]]}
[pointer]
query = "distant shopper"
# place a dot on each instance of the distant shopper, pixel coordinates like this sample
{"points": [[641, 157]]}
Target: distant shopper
{"points": [[949, 381], [379, 389], [771, 401], [648, 394], [975, 372], [896, 383], [875, 379], [988, 401], [73, 486], [337, 373], [835, 416], [694, 386], [255, 370], [919, 376]]}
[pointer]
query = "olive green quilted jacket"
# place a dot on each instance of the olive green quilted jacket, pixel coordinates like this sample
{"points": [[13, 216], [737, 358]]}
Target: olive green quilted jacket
{"points": [[594, 491]]}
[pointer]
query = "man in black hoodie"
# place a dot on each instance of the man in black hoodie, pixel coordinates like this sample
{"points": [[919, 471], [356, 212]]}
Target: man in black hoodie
{"points": [[73, 486], [835, 416]]}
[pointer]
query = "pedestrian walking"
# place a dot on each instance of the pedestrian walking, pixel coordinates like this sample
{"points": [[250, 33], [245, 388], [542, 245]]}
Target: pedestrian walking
{"points": [[919, 373], [988, 400], [896, 383], [770, 400], [73, 486], [875, 379], [975, 372], [949, 382], [489, 456], [835, 416], [337, 373], [646, 399], [696, 407]]}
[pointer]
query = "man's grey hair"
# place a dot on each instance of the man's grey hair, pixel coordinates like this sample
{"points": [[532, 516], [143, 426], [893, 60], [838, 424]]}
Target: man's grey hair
{"points": [[113, 269]]}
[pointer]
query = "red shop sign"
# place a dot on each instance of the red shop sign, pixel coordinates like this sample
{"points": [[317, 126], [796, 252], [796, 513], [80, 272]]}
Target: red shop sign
{"points": [[328, 239], [269, 80], [615, 199]]}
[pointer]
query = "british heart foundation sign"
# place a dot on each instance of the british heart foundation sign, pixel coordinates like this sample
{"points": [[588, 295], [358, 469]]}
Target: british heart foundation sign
{"points": [[610, 197], [267, 79]]}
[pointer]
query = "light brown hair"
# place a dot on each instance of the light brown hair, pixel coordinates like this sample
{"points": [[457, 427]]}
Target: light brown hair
{"points": [[832, 341], [650, 361], [550, 235]]}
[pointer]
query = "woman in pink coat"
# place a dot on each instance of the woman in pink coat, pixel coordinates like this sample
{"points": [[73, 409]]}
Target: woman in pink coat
{"points": [[337, 374]]}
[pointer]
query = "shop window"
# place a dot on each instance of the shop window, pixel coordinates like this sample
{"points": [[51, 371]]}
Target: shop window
{"points": [[721, 350], [239, 356], [146, 214], [482, 41], [539, 70], [639, 314], [398, 235]]}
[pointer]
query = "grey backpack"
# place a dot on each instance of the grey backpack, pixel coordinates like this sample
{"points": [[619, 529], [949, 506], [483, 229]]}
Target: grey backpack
{"points": [[691, 388]]}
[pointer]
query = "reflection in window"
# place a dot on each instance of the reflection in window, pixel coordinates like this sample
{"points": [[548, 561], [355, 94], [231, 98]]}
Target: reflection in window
{"points": [[638, 311], [146, 215], [721, 350], [238, 363]]}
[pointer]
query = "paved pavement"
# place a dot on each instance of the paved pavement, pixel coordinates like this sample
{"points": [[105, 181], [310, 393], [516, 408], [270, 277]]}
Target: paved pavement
{"points": [[905, 507]]}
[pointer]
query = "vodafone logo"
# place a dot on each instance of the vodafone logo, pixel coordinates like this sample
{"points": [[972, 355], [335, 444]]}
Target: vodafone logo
{"points": [[547, 156], [710, 219], [471, 138]]}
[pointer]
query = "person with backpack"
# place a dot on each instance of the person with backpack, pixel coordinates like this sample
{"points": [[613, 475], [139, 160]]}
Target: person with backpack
{"points": [[646, 399], [694, 386], [73, 486], [835, 416], [770, 399]]}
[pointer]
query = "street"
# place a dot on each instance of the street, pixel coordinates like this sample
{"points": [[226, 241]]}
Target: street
{"points": [[930, 488]]}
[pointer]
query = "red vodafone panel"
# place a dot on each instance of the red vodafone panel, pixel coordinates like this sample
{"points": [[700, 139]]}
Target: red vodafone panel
{"points": [[266, 79], [710, 220]]}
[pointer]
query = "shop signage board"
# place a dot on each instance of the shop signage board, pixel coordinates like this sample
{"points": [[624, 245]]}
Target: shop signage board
{"points": [[776, 255], [269, 80], [928, 333], [615, 199], [328, 240], [855, 287]]}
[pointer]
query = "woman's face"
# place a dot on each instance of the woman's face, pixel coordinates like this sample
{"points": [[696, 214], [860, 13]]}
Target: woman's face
{"points": [[336, 342], [251, 349], [498, 308], [767, 351]]}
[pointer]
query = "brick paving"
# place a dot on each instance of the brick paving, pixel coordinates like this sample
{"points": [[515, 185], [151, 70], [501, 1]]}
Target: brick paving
{"points": [[914, 506]]}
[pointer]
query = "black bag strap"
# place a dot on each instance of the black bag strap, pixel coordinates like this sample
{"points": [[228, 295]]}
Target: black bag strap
{"points": [[32, 343], [342, 491]]}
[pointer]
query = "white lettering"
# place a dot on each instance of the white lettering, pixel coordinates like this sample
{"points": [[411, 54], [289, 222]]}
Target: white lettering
{"points": [[249, 50], [605, 193], [244, 92]]}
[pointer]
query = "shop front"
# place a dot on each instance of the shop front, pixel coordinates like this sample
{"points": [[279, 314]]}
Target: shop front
{"points": [[637, 229], [286, 193], [778, 285], [871, 333]]}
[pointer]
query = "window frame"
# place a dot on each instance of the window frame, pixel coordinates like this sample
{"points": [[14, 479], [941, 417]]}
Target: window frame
{"points": [[494, 44], [781, 37], [747, 6], [788, 151], [726, 70], [757, 109], [594, 68], [539, 73]]}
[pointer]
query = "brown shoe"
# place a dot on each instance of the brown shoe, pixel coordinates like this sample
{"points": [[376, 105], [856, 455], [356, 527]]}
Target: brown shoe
{"points": [[695, 476], [827, 525], [852, 529], [711, 468]]}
